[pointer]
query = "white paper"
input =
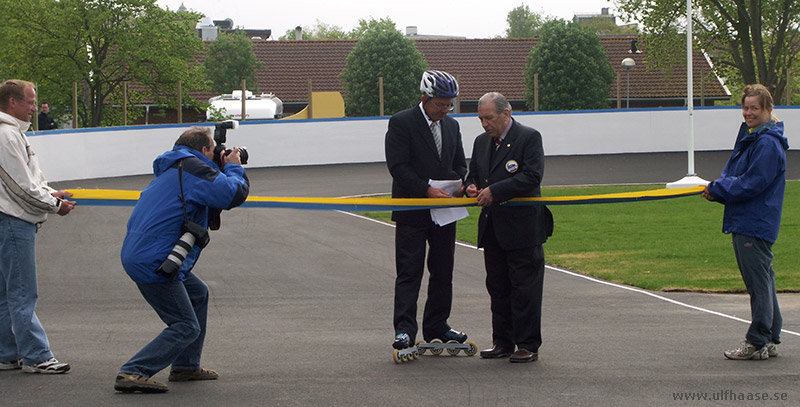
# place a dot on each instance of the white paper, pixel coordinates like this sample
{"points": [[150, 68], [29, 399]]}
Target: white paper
{"points": [[446, 216]]}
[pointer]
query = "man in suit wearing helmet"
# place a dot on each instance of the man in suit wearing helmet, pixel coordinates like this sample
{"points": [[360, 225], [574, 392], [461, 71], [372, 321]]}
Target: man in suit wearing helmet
{"points": [[423, 143]]}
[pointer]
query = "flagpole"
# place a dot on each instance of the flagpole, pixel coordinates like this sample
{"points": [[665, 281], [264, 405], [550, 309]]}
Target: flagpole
{"points": [[691, 178]]}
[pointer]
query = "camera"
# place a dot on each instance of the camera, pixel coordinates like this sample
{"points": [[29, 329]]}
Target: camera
{"points": [[192, 234], [220, 137]]}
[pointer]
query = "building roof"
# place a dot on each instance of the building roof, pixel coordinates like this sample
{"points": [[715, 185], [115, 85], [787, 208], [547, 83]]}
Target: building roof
{"points": [[481, 65]]}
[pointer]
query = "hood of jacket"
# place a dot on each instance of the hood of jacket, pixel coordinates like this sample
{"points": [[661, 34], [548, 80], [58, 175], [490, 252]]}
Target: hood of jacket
{"points": [[770, 129], [9, 119]]}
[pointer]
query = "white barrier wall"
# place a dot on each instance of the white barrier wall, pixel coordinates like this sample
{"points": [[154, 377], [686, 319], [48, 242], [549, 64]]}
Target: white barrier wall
{"points": [[119, 151]]}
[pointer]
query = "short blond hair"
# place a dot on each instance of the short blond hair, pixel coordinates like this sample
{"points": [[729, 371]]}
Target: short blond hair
{"points": [[13, 88]]}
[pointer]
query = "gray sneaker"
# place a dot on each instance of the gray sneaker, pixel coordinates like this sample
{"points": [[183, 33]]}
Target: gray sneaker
{"points": [[49, 366], [772, 349], [129, 383], [746, 350], [12, 365]]}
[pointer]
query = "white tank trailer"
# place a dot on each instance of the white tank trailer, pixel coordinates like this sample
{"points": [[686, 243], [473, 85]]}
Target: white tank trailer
{"points": [[264, 107]]}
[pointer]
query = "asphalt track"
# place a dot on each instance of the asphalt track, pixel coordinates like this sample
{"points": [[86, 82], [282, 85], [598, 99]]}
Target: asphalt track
{"points": [[301, 313]]}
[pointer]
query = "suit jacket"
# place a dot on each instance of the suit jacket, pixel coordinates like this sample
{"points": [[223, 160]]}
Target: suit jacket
{"points": [[514, 170], [413, 160]]}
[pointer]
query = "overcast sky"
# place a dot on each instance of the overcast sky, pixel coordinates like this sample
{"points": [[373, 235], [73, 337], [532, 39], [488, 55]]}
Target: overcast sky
{"points": [[471, 19]]}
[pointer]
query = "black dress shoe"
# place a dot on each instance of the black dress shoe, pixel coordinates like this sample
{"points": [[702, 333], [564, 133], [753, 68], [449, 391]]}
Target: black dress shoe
{"points": [[496, 352], [524, 356]]}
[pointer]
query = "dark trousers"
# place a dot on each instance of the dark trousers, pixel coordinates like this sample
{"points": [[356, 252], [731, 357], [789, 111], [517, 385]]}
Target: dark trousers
{"points": [[754, 257], [410, 245], [183, 306], [515, 280]]}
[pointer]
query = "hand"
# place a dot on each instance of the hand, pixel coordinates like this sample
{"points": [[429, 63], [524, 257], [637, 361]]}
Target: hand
{"points": [[436, 193], [472, 191], [66, 206], [61, 194], [233, 158], [485, 197], [459, 193], [707, 195]]}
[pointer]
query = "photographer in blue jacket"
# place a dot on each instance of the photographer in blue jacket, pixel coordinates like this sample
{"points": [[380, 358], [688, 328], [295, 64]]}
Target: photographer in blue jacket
{"points": [[166, 233], [751, 188]]}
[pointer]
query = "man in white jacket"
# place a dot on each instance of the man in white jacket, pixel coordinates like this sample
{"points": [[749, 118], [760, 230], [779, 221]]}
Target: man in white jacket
{"points": [[25, 201]]}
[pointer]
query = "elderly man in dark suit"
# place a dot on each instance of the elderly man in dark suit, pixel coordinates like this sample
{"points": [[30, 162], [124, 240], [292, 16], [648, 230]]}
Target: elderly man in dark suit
{"points": [[508, 162], [423, 144]]}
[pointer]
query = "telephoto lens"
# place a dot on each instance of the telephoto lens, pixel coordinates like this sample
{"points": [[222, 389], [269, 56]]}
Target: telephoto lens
{"points": [[178, 254]]}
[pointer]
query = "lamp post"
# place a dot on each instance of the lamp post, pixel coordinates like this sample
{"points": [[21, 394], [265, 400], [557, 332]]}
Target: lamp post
{"points": [[628, 63]]}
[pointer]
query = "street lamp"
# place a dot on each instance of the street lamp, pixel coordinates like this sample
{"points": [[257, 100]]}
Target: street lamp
{"points": [[628, 63]]}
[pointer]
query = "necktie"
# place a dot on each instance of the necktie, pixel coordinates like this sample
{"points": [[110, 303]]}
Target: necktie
{"points": [[437, 137]]}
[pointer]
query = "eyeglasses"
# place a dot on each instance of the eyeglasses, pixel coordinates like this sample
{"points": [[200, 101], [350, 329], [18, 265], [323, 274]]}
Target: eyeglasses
{"points": [[30, 102], [442, 106]]}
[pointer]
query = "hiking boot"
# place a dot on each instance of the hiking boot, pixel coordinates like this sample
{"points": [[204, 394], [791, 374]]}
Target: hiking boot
{"points": [[49, 366], [181, 375], [129, 383], [772, 349], [747, 350], [12, 365], [402, 341]]}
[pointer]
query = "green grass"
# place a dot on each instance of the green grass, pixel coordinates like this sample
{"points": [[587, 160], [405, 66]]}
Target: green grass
{"points": [[672, 244]]}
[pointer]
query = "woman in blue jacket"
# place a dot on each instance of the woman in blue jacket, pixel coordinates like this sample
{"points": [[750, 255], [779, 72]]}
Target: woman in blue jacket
{"points": [[751, 188]]}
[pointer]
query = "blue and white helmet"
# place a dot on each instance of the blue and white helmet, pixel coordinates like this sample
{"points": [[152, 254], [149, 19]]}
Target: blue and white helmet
{"points": [[438, 84]]}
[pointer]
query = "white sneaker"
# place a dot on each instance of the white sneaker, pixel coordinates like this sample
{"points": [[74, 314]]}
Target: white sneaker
{"points": [[772, 349], [12, 365], [49, 366], [747, 350]]}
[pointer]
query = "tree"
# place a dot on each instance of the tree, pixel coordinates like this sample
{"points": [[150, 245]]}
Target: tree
{"points": [[364, 26], [574, 72], [229, 60], [100, 44], [320, 31], [522, 23], [382, 51], [758, 39], [607, 26]]}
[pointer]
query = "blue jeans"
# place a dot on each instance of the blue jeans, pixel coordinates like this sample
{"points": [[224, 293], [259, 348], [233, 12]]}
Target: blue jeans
{"points": [[183, 306], [21, 333], [754, 257]]}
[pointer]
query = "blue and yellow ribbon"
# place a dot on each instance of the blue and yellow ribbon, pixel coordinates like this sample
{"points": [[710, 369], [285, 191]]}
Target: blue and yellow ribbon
{"points": [[110, 197]]}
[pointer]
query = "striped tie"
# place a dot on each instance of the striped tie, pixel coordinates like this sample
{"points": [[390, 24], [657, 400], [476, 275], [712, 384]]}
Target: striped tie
{"points": [[437, 137]]}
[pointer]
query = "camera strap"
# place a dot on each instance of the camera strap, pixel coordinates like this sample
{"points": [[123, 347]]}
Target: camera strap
{"points": [[200, 232], [180, 181]]}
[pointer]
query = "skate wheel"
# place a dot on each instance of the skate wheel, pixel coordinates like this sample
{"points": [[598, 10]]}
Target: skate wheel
{"points": [[413, 356], [396, 356], [452, 352], [473, 349], [404, 358], [437, 351], [421, 351]]}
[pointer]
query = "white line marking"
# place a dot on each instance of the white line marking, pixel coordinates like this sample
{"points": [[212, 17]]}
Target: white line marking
{"points": [[599, 281]]}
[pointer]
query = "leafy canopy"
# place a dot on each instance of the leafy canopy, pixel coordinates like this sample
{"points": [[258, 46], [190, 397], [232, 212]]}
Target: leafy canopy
{"points": [[320, 31], [323, 31], [522, 23], [749, 41], [574, 72], [100, 44], [382, 51], [229, 60]]}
